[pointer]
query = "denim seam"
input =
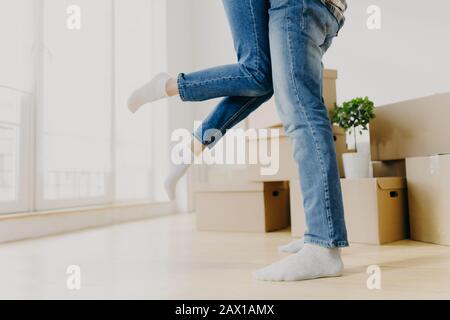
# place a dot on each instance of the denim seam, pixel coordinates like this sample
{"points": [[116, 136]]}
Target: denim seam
{"points": [[238, 113], [303, 16], [255, 36], [200, 83], [299, 100], [235, 115]]}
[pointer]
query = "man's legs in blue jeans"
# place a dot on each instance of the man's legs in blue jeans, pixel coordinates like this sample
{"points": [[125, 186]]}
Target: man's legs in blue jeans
{"points": [[300, 33]]}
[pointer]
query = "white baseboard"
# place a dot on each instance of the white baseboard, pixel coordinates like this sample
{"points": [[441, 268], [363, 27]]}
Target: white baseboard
{"points": [[40, 224]]}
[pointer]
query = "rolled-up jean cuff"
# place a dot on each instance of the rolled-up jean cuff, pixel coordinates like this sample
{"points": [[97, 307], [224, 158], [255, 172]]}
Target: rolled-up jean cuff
{"points": [[326, 244], [199, 136], [181, 91]]}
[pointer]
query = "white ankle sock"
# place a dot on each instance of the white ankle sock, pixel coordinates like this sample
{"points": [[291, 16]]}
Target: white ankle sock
{"points": [[176, 172], [311, 262], [154, 90], [293, 247]]}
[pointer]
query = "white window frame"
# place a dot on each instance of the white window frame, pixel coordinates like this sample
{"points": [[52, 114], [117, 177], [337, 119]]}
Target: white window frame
{"points": [[31, 180], [23, 175]]}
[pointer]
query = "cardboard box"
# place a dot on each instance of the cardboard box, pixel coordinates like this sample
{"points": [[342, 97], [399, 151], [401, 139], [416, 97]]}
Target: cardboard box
{"points": [[287, 166], [414, 128], [267, 116], [376, 210], [429, 198], [251, 207], [383, 169]]}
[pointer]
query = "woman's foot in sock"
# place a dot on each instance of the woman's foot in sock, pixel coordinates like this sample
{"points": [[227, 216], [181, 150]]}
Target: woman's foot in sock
{"points": [[154, 90], [176, 172], [178, 168], [293, 247], [312, 262]]}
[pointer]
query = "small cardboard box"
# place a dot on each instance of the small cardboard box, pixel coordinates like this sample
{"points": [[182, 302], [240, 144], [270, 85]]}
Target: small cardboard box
{"points": [[429, 198], [414, 128], [267, 117], [287, 166], [375, 210], [383, 169], [251, 207]]}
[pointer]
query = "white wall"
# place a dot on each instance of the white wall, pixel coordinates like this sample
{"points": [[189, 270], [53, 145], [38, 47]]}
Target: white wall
{"points": [[407, 58], [18, 46]]}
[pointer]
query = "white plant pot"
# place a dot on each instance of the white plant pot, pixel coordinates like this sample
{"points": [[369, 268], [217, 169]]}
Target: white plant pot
{"points": [[356, 165]]}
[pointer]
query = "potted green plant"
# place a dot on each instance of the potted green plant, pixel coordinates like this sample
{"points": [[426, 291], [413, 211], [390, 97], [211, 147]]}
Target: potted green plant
{"points": [[354, 117]]}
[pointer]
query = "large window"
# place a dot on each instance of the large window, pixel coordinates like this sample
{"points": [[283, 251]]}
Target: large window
{"points": [[76, 106], [66, 136]]}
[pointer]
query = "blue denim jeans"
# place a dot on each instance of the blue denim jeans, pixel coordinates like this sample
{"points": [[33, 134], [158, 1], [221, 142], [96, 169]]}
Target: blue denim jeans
{"points": [[280, 45]]}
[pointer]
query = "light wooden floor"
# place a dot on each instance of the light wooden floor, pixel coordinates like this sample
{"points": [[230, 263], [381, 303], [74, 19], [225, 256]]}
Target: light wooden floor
{"points": [[165, 258]]}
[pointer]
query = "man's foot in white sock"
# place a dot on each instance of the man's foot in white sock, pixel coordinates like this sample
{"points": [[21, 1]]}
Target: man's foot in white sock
{"points": [[293, 247], [154, 90], [311, 262]]}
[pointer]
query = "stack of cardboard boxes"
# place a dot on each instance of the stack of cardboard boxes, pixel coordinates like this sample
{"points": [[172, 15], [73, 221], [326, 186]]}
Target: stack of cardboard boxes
{"points": [[376, 209], [410, 149], [262, 204], [418, 131]]}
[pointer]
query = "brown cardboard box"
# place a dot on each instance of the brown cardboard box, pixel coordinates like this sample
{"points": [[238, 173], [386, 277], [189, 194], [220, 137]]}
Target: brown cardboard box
{"points": [[287, 166], [414, 128], [267, 117], [383, 169], [429, 198], [251, 207], [375, 210]]}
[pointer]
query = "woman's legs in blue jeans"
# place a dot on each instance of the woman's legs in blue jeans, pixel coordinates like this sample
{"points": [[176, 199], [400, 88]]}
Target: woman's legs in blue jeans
{"points": [[246, 84], [251, 76]]}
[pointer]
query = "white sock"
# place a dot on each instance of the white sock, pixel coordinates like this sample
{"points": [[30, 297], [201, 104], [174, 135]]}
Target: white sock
{"points": [[293, 247], [176, 172], [311, 262], [154, 90]]}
